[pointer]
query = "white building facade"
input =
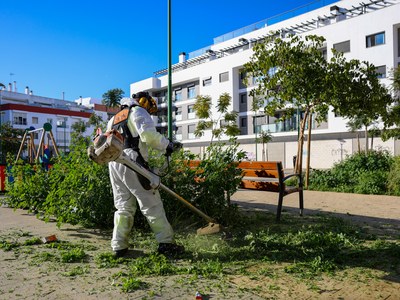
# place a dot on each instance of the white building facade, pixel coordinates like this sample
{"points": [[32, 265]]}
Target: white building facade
{"points": [[29, 112], [366, 31]]}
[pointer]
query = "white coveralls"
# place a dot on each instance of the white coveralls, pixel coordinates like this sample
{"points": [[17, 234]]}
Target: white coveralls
{"points": [[127, 189]]}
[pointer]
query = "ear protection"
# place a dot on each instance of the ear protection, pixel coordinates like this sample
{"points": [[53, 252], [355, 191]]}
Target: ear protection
{"points": [[149, 104]]}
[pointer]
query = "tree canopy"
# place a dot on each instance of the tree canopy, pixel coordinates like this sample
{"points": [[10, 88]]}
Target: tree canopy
{"points": [[291, 74], [112, 97], [225, 123]]}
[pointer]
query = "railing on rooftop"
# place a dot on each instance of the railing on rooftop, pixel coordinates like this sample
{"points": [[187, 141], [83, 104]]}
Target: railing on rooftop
{"points": [[273, 20]]}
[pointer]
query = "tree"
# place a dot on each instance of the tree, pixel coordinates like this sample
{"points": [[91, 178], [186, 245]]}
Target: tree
{"points": [[95, 120], [291, 74], [225, 123], [357, 93], [10, 140], [112, 97], [264, 138]]}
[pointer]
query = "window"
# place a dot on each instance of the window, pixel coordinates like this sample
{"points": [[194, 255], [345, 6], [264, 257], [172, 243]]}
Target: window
{"points": [[381, 71], [50, 121], [191, 129], [342, 47], [224, 77], [19, 118], [243, 102], [62, 123], [191, 112], [191, 92], [398, 42], [35, 120], [242, 80], [178, 114], [178, 133], [243, 125], [207, 81], [178, 95], [243, 122], [375, 39]]}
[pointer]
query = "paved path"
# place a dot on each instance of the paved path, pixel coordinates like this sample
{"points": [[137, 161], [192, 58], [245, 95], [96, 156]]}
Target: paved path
{"points": [[379, 211], [382, 211]]}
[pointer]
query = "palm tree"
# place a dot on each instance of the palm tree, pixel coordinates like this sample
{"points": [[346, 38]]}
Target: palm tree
{"points": [[112, 97]]}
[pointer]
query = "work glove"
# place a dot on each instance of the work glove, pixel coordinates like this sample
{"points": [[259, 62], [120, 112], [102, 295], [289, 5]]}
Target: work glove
{"points": [[172, 146]]}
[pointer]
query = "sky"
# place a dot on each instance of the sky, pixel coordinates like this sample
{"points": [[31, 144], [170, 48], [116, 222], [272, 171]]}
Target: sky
{"points": [[73, 48]]}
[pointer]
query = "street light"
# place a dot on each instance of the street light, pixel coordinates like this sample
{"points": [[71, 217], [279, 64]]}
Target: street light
{"points": [[169, 111]]}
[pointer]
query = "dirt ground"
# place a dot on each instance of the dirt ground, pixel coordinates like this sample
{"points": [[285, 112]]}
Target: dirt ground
{"points": [[22, 279]]}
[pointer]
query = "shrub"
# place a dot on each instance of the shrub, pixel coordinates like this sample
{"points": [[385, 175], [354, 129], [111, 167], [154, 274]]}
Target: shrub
{"points": [[208, 186], [394, 177], [80, 190], [29, 187], [359, 173]]}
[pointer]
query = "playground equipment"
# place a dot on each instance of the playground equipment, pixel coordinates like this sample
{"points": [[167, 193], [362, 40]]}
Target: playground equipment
{"points": [[28, 138]]}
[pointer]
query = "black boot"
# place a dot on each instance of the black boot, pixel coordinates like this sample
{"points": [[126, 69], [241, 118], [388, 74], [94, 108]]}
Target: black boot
{"points": [[120, 253], [170, 249]]}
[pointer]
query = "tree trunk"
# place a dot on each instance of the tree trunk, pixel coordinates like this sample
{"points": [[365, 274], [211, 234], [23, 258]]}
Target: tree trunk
{"points": [[263, 151], [372, 142], [358, 142], [366, 139], [308, 151], [299, 160]]}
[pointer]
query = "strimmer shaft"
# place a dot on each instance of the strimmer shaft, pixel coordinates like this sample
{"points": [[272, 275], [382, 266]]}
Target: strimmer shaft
{"points": [[155, 183]]}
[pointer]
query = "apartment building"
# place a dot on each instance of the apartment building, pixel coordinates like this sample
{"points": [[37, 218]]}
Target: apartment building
{"points": [[29, 111], [364, 30]]}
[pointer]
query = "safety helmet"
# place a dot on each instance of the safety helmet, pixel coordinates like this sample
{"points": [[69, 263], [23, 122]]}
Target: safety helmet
{"points": [[146, 101]]}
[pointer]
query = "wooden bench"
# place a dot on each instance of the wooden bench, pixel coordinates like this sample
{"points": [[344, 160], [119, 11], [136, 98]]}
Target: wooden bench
{"points": [[267, 176]]}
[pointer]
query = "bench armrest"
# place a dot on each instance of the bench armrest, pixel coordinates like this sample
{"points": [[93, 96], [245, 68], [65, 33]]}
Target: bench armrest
{"points": [[293, 175]]}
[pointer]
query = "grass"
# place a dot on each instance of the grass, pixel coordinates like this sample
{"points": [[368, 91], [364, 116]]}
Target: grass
{"points": [[305, 250]]}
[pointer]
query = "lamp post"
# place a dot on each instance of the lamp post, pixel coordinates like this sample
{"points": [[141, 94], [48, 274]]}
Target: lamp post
{"points": [[169, 112]]}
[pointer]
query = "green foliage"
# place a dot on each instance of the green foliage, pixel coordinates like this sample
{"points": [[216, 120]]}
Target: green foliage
{"points": [[29, 188], [131, 284], [225, 123], [73, 255], [10, 140], [80, 191], [75, 190], [112, 97], [202, 185], [394, 178], [359, 173]]}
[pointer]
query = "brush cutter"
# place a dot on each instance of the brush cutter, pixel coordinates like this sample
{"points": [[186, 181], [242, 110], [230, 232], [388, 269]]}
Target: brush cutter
{"points": [[108, 147]]}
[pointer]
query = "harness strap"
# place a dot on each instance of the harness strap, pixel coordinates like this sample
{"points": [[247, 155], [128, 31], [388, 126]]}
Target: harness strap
{"points": [[120, 123]]}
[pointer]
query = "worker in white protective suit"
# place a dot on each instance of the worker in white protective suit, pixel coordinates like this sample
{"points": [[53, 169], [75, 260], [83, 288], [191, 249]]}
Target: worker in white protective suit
{"points": [[130, 188]]}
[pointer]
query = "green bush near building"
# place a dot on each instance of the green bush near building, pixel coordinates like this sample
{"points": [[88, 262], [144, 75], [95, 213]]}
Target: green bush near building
{"points": [[375, 172]]}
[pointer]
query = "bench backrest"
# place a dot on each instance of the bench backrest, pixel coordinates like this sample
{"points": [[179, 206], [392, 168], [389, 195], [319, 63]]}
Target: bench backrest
{"points": [[255, 171]]}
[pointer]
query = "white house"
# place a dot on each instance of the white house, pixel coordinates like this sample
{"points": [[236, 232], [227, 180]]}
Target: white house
{"points": [[367, 30]]}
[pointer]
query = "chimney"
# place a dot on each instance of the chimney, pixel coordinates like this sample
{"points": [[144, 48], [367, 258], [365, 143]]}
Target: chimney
{"points": [[10, 87], [31, 92], [182, 57], [27, 90], [15, 86]]}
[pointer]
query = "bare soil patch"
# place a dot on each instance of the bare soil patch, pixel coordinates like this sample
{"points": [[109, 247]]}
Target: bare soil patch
{"points": [[25, 275]]}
